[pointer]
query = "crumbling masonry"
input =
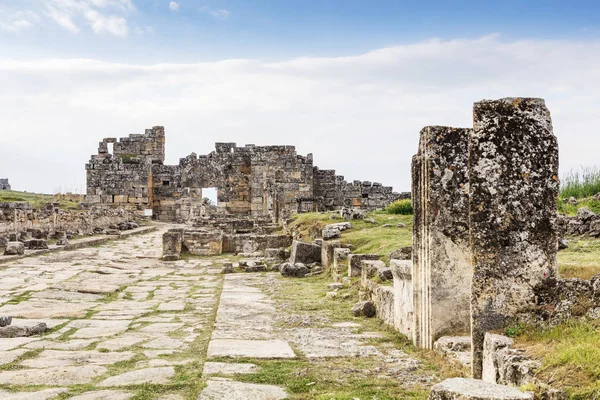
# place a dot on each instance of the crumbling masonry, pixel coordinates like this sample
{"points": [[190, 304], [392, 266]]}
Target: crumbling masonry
{"points": [[4, 185], [485, 222], [258, 181]]}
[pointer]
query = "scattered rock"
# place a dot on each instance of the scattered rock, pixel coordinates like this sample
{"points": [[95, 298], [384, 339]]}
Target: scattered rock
{"points": [[14, 249], [351, 213], [227, 268], [22, 331], [305, 253], [5, 321], [563, 244], [370, 220], [297, 270], [401, 225], [335, 285], [364, 309], [403, 253]]}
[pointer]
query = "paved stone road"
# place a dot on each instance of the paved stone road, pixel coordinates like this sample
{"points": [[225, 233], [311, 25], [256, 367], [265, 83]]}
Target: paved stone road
{"points": [[126, 324]]}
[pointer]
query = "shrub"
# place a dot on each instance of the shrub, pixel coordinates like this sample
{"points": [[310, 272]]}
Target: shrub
{"points": [[580, 185], [403, 207]]}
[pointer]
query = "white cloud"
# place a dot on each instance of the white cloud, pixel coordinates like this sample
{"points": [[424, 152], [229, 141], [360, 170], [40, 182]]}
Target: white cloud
{"points": [[173, 6], [220, 14], [17, 21], [66, 12], [110, 24], [359, 114]]}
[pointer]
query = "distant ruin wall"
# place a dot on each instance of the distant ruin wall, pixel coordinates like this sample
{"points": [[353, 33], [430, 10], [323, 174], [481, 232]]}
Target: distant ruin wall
{"points": [[4, 185], [336, 192], [20, 217], [260, 181]]}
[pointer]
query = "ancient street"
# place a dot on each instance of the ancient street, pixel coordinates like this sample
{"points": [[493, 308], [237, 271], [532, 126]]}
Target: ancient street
{"points": [[124, 325]]}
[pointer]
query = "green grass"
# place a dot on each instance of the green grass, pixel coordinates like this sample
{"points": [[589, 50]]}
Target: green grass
{"points": [[580, 184], [37, 200], [581, 259], [570, 356], [571, 209], [365, 237]]}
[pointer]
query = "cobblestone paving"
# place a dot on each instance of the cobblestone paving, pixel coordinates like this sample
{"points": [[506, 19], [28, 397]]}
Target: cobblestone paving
{"points": [[124, 325]]}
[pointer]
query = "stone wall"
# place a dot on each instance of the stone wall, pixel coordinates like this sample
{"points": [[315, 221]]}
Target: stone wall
{"points": [[4, 185], [334, 192], [20, 217], [271, 181]]}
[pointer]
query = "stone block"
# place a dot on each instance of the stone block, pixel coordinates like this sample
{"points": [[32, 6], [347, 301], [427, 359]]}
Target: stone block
{"points": [[172, 241], [354, 263], [327, 252], [504, 365], [305, 253], [473, 389], [403, 296], [340, 263], [513, 185], [14, 249]]}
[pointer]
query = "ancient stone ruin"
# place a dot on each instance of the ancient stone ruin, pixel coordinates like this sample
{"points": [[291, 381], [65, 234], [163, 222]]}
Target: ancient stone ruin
{"points": [[484, 233], [4, 185], [258, 181]]}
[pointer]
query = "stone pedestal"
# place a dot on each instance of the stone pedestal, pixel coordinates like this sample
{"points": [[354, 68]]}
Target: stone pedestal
{"points": [[172, 245], [403, 296], [441, 275], [513, 176]]}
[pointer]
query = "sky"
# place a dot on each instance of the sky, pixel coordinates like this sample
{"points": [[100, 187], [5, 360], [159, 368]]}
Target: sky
{"points": [[352, 82]]}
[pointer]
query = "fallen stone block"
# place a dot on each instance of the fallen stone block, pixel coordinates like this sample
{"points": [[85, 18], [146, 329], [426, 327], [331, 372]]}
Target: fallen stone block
{"points": [[403, 253], [364, 309], [305, 253], [14, 249], [297, 270], [457, 348], [355, 260], [22, 331], [352, 213], [275, 253], [473, 389], [256, 268], [504, 365], [5, 321]]}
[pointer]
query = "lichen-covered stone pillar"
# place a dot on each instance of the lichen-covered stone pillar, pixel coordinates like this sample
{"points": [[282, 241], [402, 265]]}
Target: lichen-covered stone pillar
{"points": [[442, 270], [513, 177]]}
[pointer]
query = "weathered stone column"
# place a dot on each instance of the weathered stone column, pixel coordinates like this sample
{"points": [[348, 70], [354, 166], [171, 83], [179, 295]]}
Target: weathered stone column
{"points": [[442, 269], [513, 176]]}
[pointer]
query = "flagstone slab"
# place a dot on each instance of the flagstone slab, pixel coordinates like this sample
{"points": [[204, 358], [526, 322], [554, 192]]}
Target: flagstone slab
{"points": [[122, 342], [37, 308], [158, 376], [103, 395], [75, 344], [231, 390], [250, 348], [58, 358], [96, 328], [221, 368], [58, 376], [47, 394], [13, 343], [11, 355]]}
